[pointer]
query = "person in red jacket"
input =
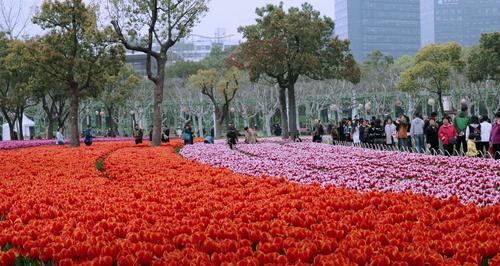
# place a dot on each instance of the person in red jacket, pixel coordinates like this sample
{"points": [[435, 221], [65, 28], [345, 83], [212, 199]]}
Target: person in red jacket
{"points": [[448, 136]]}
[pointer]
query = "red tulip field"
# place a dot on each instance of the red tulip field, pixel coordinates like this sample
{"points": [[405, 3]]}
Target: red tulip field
{"points": [[115, 203]]}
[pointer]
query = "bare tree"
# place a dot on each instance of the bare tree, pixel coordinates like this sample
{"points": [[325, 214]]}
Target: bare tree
{"points": [[13, 21]]}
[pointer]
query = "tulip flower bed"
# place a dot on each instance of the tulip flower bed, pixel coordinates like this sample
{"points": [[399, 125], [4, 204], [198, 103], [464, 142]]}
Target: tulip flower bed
{"points": [[151, 206], [471, 180], [17, 144]]}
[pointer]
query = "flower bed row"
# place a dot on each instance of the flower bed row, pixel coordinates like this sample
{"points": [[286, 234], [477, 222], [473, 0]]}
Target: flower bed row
{"points": [[17, 144], [471, 180], [157, 208]]}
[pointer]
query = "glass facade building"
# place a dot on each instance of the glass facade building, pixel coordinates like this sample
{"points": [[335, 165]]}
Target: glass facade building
{"points": [[391, 26], [462, 21]]}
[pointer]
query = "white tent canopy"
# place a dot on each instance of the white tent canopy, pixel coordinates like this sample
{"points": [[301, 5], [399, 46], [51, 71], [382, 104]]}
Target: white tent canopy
{"points": [[27, 124]]}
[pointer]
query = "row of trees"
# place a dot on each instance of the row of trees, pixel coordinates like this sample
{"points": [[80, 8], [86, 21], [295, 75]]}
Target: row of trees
{"points": [[78, 57], [290, 65], [380, 91]]}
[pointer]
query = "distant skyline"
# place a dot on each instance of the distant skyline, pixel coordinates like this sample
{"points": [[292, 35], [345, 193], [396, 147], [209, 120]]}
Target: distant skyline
{"points": [[226, 14]]}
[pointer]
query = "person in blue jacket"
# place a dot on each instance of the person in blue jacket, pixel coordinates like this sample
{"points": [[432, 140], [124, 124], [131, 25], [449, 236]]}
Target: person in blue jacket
{"points": [[88, 136]]}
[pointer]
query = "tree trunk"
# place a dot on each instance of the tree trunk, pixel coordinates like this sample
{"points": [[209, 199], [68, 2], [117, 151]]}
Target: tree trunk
{"points": [[13, 135], [73, 119], [226, 115], [158, 103], [50, 118], [246, 121], [217, 124], [200, 126], [297, 117], [20, 132], [441, 105], [113, 124], [284, 115], [267, 124], [50, 127], [292, 110]]}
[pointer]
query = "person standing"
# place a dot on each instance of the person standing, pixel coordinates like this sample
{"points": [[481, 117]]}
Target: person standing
{"points": [[348, 130], [495, 137], [461, 123], [376, 133], [334, 134], [417, 132], [431, 136], [277, 130], [483, 144], [402, 128], [390, 132], [88, 136], [232, 136], [448, 136], [59, 136], [187, 135], [249, 136], [138, 134], [355, 133], [340, 129], [361, 130]]}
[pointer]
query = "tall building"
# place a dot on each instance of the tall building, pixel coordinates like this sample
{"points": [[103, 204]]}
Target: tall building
{"points": [[391, 26], [462, 21]]}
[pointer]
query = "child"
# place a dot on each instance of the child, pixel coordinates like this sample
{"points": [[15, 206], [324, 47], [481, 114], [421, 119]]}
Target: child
{"points": [[471, 146]]}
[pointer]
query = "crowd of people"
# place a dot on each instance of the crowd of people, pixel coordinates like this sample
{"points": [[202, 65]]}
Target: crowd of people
{"points": [[453, 135]]}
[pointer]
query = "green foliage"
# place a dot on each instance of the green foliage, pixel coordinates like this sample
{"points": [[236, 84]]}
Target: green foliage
{"points": [[183, 69], [153, 27], [75, 54], [118, 88], [217, 59], [403, 63], [15, 78], [285, 45], [431, 68], [220, 88], [217, 85], [484, 60], [377, 59], [75, 51]]}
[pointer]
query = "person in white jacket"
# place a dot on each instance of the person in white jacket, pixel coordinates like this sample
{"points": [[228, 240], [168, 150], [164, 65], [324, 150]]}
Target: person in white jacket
{"points": [[482, 146], [60, 137], [390, 132]]}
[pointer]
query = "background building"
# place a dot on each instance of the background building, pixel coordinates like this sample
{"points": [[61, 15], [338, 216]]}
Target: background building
{"points": [[193, 48], [196, 47], [391, 26], [462, 21]]}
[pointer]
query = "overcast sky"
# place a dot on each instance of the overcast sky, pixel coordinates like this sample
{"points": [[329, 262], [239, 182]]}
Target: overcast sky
{"points": [[227, 14]]}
